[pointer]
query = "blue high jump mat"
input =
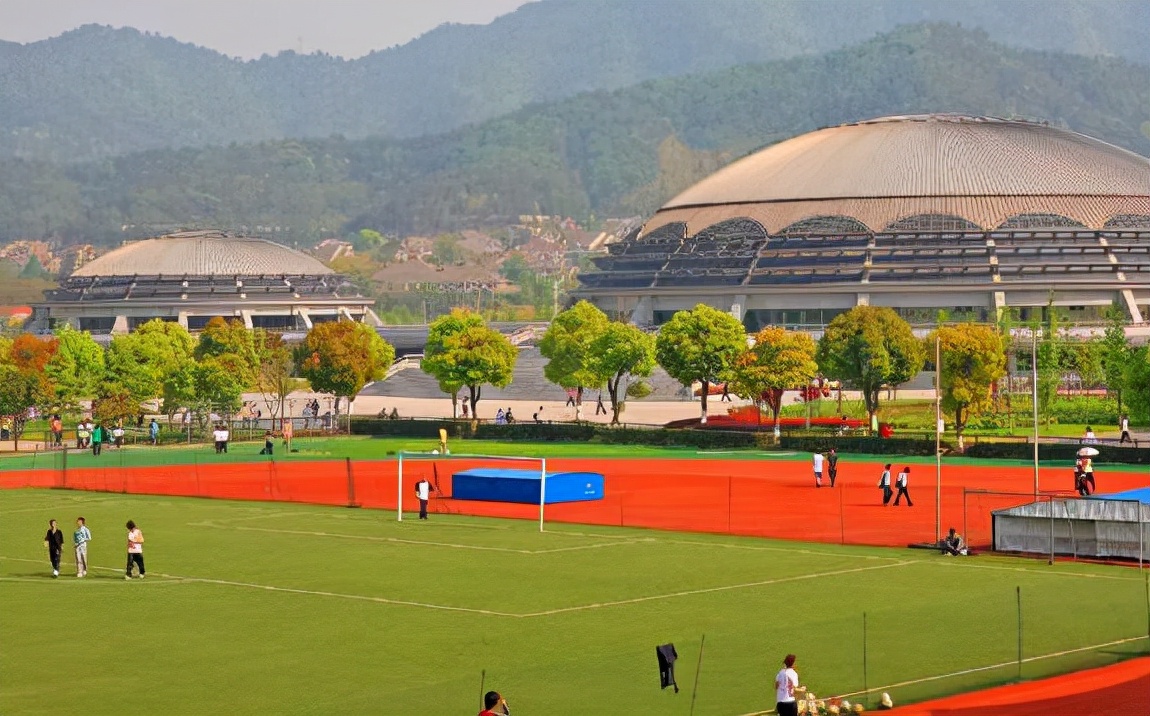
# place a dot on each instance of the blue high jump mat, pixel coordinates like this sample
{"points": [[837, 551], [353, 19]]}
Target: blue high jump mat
{"points": [[1141, 494], [501, 485]]}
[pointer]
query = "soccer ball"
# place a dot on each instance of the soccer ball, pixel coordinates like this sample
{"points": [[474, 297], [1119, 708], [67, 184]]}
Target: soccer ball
{"points": [[435, 451], [447, 451]]}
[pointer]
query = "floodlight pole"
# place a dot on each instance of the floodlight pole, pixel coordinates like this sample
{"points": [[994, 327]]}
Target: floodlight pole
{"points": [[542, 490], [1034, 398], [399, 490], [937, 439]]}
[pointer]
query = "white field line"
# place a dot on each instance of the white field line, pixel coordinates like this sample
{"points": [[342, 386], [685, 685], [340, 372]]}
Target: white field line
{"points": [[1049, 573], [791, 550], [977, 669], [711, 590], [71, 578], [425, 543], [57, 507]]}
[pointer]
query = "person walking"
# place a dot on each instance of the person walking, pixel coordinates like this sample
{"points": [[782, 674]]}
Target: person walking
{"points": [[80, 539], [57, 426], [1124, 426], [786, 688], [225, 436], [423, 490], [884, 483], [599, 407], [135, 550], [818, 460], [154, 431], [832, 466], [54, 541], [269, 444], [901, 484], [1088, 475]]}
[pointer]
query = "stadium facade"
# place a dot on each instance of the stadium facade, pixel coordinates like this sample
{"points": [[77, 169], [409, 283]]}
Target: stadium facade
{"points": [[192, 277], [968, 215]]}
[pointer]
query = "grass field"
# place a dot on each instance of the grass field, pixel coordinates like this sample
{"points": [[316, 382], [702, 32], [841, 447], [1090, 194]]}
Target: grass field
{"points": [[281, 608]]}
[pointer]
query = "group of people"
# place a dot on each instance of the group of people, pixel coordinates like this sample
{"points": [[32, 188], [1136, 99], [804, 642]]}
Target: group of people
{"points": [[221, 435], [831, 462], [902, 482], [504, 418], [95, 436], [54, 541]]}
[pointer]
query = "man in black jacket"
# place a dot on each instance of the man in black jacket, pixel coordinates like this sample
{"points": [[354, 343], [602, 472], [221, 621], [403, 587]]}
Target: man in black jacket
{"points": [[54, 541]]}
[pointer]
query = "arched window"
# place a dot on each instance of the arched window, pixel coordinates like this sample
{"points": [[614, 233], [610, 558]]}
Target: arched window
{"points": [[932, 222], [1128, 221], [675, 231], [1039, 221], [740, 228], [826, 226]]}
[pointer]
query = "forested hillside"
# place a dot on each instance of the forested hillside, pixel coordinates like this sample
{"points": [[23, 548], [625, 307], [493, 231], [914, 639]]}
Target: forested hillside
{"points": [[99, 92], [597, 154]]}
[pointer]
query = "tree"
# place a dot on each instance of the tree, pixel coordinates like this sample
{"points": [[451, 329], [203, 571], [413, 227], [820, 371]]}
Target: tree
{"points": [[141, 361], [1050, 360], [275, 376], [972, 358], [869, 347], [463, 351], [30, 355], [76, 368], [700, 345], [217, 386], [114, 404], [1138, 384], [340, 357], [19, 391], [617, 353], [780, 360], [567, 347], [232, 344], [1116, 354], [513, 267]]}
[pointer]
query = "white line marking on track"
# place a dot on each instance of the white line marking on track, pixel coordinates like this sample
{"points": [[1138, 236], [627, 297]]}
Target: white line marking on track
{"points": [[977, 669], [711, 590]]}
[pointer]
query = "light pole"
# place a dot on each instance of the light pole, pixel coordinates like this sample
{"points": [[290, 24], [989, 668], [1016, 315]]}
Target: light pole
{"points": [[1034, 398], [937, 438]]}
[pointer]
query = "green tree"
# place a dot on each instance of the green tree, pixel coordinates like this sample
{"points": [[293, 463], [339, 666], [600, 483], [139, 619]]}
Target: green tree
{"points": [[445, 250], [141, 361], [114, 404], [567, 346], [217, 386], [463, 351], [868, 347], [700, 345], [33, 269], [275, 376], [972, 359], [76, 369], [232, 344], [513, 267], [19, 391], [1051, 359], [1138, 384], [1116, 354], [619, 352], [340, 357], [780, 360]]}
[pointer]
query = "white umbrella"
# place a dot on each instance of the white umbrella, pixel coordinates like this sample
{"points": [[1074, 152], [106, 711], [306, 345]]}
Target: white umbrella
{"points": [[1088, 452]]}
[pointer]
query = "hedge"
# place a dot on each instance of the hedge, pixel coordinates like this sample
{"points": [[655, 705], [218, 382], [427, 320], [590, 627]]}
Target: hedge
{"points": [[1059, 451], [860, 444]]}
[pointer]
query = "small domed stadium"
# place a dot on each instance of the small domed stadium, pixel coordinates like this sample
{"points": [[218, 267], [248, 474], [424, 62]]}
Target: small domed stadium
{"points": [[919, 213], [192, 277]]}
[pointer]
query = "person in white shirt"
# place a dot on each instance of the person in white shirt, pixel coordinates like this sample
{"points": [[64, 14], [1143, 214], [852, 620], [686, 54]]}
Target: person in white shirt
{"points": [[135, 550], [423, 490], [884, 483], [1089, 437], [1124, 426], [225, 436], [818, 463], [901, 484], [118, 436], [786, 686], [218, 437]]}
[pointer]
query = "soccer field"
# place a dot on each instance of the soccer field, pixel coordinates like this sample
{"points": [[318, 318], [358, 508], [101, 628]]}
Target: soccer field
{"points": [[283, 608]]}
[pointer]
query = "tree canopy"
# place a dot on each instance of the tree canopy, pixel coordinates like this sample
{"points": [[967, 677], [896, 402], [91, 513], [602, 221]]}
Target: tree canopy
{"points": [[867, 348], [463, 351], [77, 367], [973, 360], [779, 360], [621, 351], [567, 346], [340, 357], [700, 345]]}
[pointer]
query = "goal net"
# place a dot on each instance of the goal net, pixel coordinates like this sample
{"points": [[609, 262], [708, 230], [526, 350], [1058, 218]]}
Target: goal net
{"points": [[528, 473]]}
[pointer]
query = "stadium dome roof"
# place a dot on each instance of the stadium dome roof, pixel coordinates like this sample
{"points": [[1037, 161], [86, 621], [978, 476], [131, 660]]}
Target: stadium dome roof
{"points": [[982, 171], [203, 253]]}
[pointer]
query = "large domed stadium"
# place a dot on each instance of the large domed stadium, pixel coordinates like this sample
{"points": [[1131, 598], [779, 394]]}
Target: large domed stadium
{"points": [[192, 277], [919, 213]]}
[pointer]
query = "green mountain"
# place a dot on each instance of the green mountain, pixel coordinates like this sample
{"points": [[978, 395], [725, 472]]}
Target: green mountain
{"points": [[98, 91], [597, 154]]}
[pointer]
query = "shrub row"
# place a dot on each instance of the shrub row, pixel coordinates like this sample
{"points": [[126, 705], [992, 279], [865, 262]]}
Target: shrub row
{"points": [[1058, 451], [861, 444]]}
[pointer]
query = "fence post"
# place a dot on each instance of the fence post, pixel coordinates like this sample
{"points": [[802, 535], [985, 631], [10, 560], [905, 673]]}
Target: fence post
{"points": [[64, 469], [350, 484], [1018, 597], [866, 687], [1050, 506]]}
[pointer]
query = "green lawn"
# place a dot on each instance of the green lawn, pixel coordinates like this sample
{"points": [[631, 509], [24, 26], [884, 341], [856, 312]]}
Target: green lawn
{"points": [[259, 608]]}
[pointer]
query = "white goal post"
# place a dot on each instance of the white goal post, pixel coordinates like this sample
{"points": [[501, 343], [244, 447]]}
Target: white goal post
{"points": [[405, 456]]}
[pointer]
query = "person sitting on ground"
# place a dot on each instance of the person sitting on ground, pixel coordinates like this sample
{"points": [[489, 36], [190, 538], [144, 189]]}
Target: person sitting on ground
{"points": [[509, 417], [538, 416], [953, 544], [269, 444], [394, 414]]}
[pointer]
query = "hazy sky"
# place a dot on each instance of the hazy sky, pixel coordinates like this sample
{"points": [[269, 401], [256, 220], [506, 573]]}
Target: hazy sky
{"points": [[250, 28]]}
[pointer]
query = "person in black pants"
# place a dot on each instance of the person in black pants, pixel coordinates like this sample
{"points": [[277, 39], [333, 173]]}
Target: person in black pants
{"points": [[884, 483], [833, 466], [901, 483], [423, 490], [54, 541]]}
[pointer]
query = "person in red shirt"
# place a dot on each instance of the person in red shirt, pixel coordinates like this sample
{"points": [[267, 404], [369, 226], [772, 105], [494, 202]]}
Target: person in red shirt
{"points": [[494, 705]]}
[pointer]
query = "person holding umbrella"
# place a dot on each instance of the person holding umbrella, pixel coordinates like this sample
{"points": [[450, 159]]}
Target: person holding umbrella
{"points": [[1084, 471]]}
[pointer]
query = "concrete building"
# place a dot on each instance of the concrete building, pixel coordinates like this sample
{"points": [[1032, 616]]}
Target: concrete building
{"points": [[192, 277], [969, 215]]}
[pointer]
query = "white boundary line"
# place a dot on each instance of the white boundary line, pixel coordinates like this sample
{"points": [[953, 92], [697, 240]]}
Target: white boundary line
{"points": [[975, 670], [56, 507], [426, 543], [711, 590], [1082, 575]]}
